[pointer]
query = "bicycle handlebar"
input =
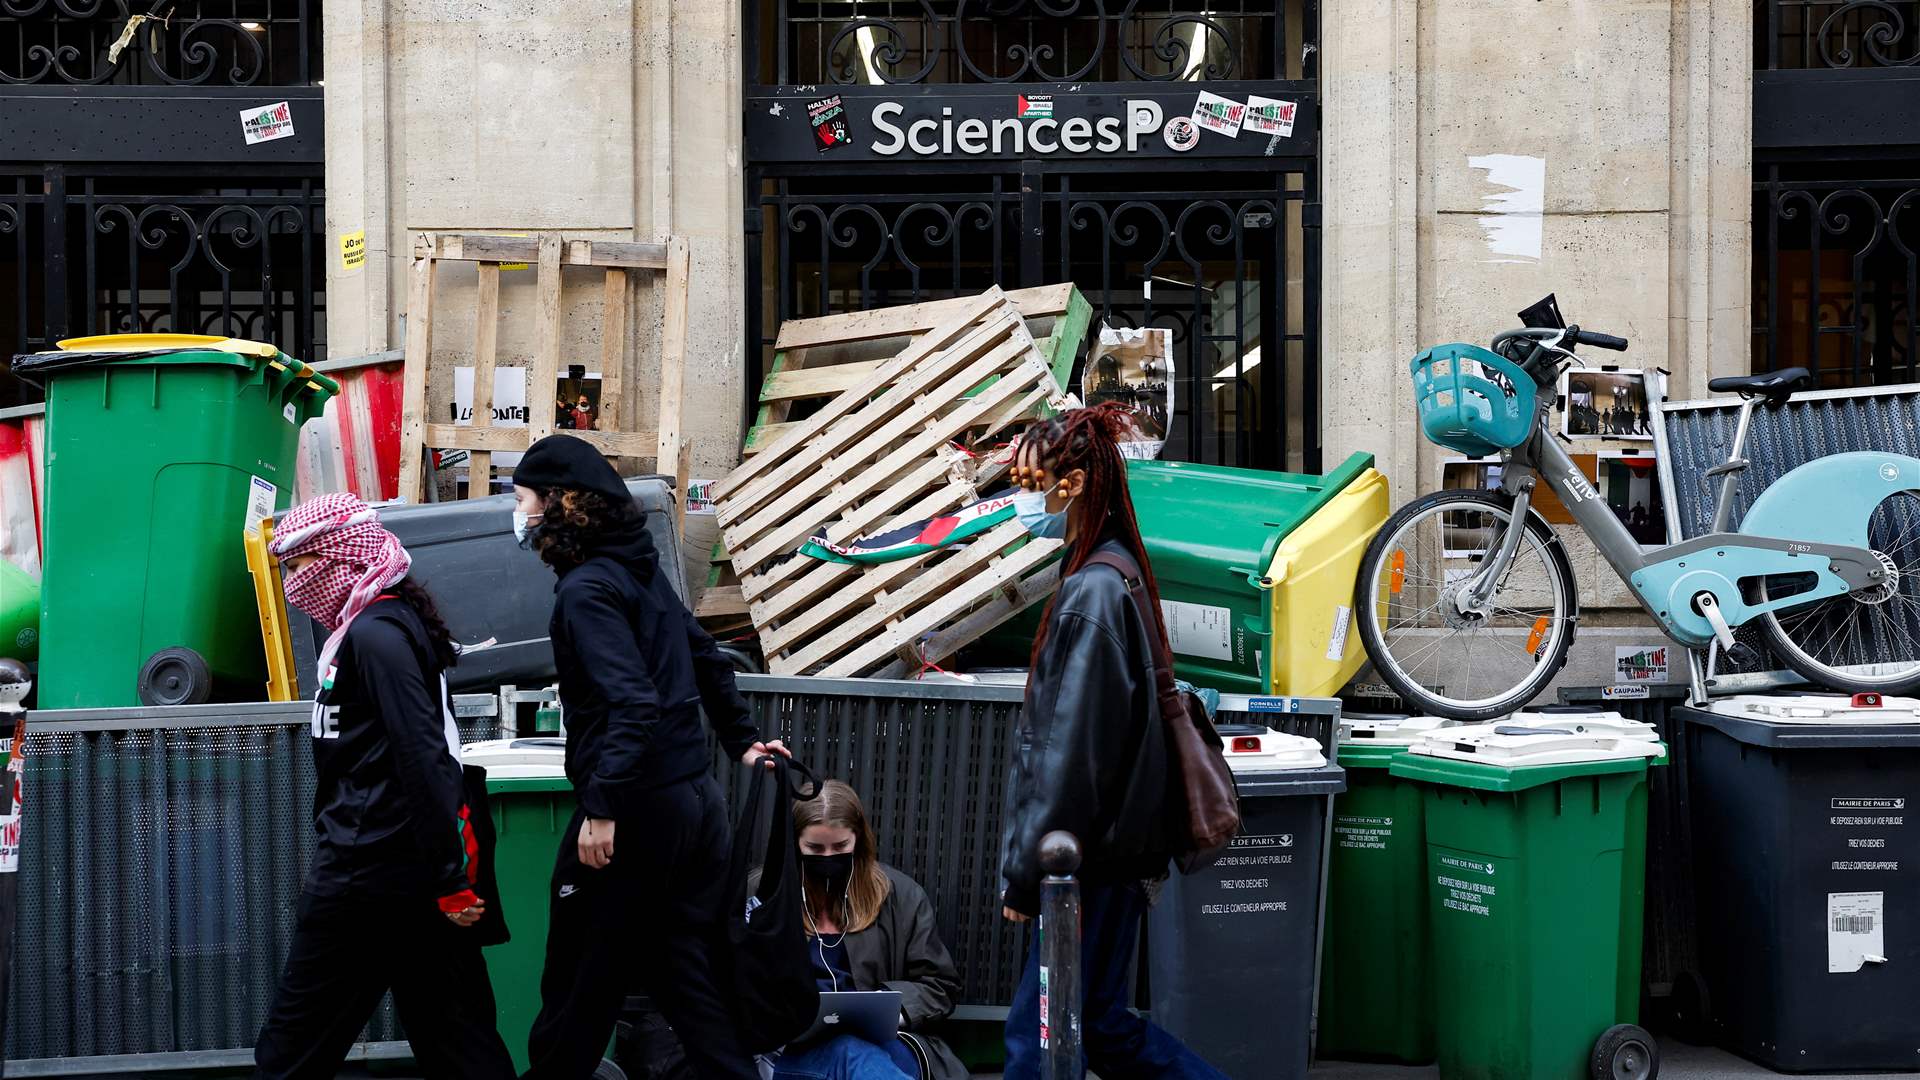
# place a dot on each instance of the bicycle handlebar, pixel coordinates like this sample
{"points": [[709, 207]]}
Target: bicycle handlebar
{"points": [[1600, 341]]}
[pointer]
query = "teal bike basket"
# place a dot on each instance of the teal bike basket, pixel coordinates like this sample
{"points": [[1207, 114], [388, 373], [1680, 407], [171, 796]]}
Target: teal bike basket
{"points": [[1473, 400]]}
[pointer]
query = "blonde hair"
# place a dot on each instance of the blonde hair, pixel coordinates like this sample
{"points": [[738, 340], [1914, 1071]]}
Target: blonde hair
{"points": [[838, 806]]}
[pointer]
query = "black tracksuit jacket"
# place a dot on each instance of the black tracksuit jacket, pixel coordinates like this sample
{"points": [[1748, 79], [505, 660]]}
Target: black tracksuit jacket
{"points": [[389, 808], [635, 670]]}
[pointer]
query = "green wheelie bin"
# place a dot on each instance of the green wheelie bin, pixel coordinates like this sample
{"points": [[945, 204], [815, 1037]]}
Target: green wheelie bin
{"points": [[532, 802], [1536, 872], [159, 448], [1376, 986]]}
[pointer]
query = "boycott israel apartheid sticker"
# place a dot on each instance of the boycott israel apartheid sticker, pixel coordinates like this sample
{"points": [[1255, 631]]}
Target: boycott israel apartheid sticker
{"points": [[1181, 133]]}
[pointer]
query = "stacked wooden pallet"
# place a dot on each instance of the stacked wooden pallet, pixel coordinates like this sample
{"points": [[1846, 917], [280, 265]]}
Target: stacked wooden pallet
{"points": [[817, 360], [911, 437]]}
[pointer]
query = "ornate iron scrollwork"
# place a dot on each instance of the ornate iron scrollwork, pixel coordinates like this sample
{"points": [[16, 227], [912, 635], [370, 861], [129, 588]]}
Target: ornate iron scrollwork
{"points": [[71, 41], [1887, 32], [1015, 41]]}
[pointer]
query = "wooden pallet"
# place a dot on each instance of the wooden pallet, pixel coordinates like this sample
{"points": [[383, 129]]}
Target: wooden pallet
{"points": [[881, 454], [547, 252], [815, 360]]}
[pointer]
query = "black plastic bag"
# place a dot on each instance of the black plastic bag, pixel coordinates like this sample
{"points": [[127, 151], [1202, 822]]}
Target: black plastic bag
{"points": [[773, 985]]}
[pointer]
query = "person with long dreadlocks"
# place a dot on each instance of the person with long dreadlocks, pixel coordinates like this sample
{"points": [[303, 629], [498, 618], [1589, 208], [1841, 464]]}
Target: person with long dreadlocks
{"points": [[1093, 758], [388, 902]]}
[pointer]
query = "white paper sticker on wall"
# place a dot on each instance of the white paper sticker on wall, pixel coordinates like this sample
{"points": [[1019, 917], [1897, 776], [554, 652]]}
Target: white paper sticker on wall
{"points": [[1198, 629], [1856, 931], [1514, 206], [1337, 642], [260, 498]]}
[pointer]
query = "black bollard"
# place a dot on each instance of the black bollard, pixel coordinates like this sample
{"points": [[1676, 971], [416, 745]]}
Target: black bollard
{"points": [[1060, 956]]}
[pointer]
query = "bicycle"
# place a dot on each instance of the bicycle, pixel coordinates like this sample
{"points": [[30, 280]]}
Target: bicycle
{"points": [[1826, 560]]}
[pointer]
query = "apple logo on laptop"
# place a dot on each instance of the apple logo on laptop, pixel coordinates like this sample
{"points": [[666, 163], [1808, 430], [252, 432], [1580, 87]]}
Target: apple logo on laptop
{"points": [[830, 1018]]}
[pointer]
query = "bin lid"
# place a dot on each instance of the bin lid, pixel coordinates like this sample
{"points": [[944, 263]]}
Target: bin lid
{"points": [[1521, 742], [1255, 748], [1800, 733], [1387, 729], [130, 343], [518, 759], [1831, 709]]}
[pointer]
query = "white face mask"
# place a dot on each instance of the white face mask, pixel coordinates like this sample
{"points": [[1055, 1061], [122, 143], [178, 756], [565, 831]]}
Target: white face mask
{"points": [[525, 527]]}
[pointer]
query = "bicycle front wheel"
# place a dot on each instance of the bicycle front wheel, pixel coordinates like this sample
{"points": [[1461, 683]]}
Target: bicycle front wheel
{"points": [[1472, 666], [1867, 640]]}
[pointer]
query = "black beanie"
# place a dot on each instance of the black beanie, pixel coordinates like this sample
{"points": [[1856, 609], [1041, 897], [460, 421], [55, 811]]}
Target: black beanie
{"points": [[562, 461]]}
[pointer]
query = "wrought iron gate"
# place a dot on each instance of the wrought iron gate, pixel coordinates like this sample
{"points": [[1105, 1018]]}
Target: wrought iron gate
{"points": [[125, 253], [129, 200], [1836, 191], [1220, 245]]}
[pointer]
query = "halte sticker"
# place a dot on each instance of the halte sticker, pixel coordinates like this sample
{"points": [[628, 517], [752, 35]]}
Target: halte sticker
{"points": [[1856, 931], [1198, 629], [1269, 116], [267, 123], [1222, 116], [1337, 643], [829, 120], [1181, 134]]}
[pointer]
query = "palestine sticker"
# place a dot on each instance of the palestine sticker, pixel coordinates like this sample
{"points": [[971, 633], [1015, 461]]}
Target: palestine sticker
{"points": [[1222, 116], [829, 119], [1270, 116], [1181, 133], [1034, 106]]}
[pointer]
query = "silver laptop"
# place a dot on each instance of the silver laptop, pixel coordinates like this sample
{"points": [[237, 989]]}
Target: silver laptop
{"points": [[874, 1015]]}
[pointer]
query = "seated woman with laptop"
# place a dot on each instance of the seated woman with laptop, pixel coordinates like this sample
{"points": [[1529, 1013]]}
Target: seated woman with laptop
{"points": [[884, 974]]}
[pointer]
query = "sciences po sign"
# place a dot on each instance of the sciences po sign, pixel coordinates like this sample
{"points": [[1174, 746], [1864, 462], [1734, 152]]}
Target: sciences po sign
{"points": [[830, 125]]}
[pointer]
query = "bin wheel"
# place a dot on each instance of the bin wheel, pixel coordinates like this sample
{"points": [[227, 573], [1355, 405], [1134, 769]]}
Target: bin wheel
{"points": [[176, 676], [607, 1070], [1625, 1052]]}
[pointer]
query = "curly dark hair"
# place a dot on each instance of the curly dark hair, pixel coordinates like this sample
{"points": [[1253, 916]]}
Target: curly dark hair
{"points": [[572, 521], [438, 637]]}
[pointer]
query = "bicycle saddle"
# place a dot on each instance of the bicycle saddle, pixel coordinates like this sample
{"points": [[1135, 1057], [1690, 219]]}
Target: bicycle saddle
{"points": [[1772, 385]]}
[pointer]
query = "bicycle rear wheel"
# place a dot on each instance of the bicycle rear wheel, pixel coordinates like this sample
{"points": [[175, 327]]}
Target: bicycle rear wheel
{"points": [[1865, 641], [1444, 662]]}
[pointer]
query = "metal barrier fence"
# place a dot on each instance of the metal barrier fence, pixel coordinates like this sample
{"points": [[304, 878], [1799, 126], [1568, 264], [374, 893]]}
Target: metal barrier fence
{"points": [[930, 761], [165, 849], [161, 862]]}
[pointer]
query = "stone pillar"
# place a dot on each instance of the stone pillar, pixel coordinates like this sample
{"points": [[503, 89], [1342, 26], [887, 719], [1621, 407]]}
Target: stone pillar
{"points": [[616, 120], [1370, 250]]}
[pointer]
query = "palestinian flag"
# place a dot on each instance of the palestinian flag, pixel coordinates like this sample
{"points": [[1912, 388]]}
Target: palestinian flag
{"points": [[918, 538]]}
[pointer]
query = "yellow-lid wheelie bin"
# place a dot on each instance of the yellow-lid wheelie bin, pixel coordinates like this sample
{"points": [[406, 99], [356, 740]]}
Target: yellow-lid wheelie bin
{"points": [[158, 448]]}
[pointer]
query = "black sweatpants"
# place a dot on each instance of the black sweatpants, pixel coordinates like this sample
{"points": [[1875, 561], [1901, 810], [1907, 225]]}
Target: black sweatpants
{"points": [[346, 953], [651, 920]]}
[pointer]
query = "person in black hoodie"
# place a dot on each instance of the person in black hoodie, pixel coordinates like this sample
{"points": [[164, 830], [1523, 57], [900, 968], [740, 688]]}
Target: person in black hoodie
{"points": [[638, 886], [388, 902], [1093, 757]]}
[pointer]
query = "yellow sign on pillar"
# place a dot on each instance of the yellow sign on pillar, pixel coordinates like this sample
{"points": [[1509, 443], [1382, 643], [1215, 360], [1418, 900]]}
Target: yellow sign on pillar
{"points": [[353, 250]]}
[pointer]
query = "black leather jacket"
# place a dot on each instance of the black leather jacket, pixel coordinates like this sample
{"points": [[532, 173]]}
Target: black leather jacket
{"points": [[1093, 753]]}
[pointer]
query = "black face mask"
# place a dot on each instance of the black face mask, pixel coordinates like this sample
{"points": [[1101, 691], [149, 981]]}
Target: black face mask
{"points": [[833, 871]]}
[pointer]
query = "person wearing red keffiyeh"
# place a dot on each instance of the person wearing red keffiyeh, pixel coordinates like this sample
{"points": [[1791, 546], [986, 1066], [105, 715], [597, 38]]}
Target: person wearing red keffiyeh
{"points": [[389, 902]]}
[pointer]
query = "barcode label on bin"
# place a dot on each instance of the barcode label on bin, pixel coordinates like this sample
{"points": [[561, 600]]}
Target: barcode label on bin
{"points": [[1856, 930]]}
